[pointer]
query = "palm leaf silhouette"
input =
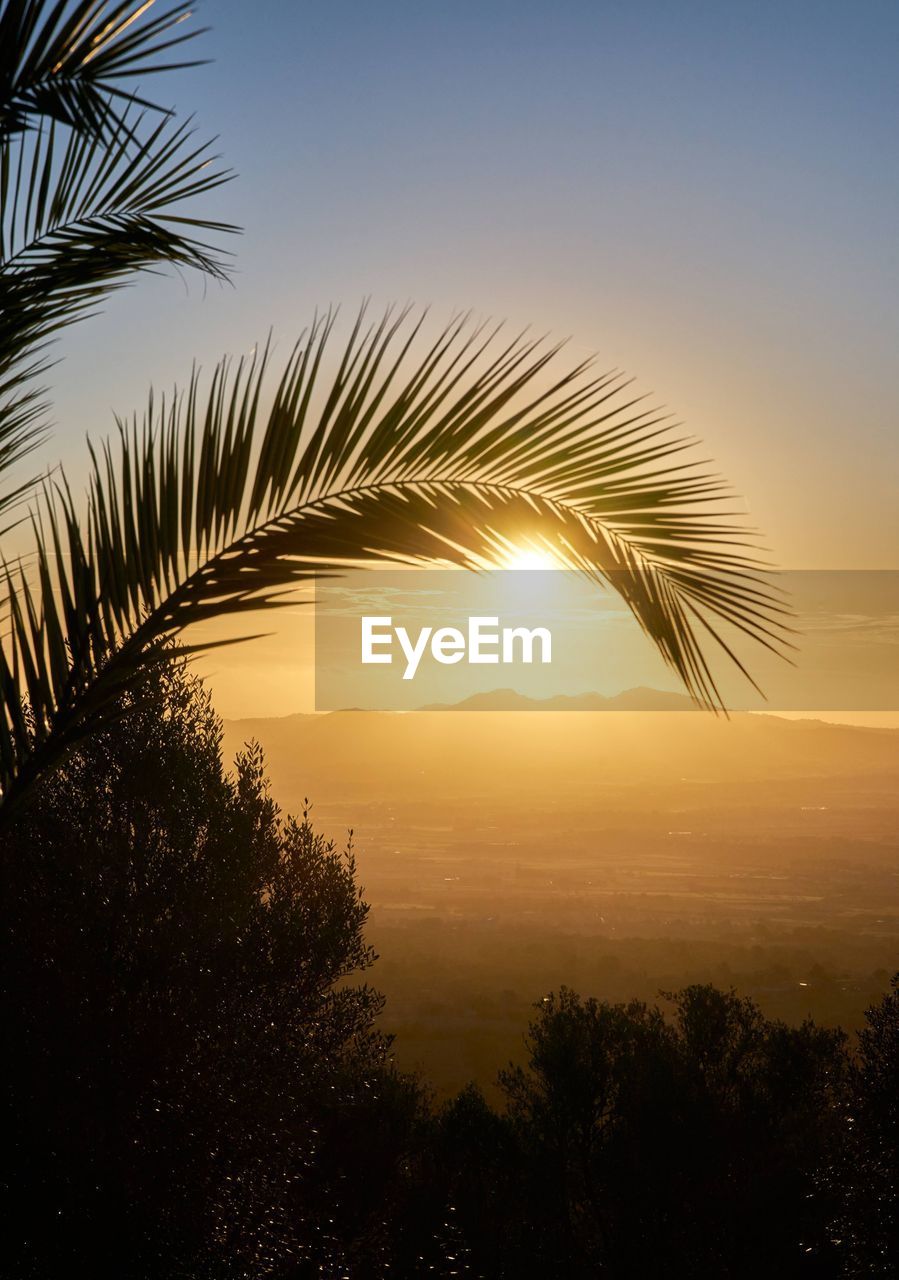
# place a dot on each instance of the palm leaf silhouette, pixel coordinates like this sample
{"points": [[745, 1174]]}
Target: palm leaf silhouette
{"points": [[440, 450], [92, 187], [66, 61]]}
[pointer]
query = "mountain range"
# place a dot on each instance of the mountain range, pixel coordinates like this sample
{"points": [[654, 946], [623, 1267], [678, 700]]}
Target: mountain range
{"points": [[639, 699], [342, 756]]}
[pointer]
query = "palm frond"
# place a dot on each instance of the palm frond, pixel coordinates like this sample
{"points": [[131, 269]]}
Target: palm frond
{"points": [[79, 215], [65, 61], [399, 449], [92, 189]]}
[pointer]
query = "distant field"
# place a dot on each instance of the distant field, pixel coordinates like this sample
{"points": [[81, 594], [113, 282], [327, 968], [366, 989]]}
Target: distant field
{"points": [[619, 854]]}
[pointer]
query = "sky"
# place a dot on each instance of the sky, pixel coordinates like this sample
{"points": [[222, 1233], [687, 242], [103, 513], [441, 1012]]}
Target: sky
{"points": [[705, 194]]}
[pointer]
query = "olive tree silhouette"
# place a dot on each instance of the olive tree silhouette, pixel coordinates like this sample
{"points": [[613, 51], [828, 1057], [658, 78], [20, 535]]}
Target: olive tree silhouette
{"points": [[193, 1084], [863, 1178], [637, 1141]]}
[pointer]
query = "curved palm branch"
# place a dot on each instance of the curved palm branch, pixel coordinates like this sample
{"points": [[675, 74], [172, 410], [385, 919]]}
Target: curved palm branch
{"points": [[78, 216], [90, 191], [218, 505], [65, 61]]}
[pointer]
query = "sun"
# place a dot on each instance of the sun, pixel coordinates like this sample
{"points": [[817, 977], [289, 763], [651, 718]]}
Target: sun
{"points": [[528, 558]]}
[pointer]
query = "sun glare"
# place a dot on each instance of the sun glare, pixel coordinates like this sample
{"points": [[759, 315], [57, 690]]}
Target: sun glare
{"points": [[528, 558]]}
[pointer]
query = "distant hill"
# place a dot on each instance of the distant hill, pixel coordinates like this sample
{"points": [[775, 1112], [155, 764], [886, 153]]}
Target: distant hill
{"points": [[344, 756], [640, 699]]}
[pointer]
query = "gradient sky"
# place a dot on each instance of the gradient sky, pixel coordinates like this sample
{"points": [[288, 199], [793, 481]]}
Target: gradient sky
{"points": [[705, 193]]}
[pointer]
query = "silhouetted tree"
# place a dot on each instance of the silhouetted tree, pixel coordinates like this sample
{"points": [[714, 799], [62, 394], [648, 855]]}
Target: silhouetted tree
{"points": [[192, 1087], [635, 1144], [865, 1174], [764, 1103]]}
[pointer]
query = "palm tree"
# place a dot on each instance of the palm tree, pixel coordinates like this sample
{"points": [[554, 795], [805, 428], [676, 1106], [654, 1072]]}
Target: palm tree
{"points": [[404, 447], [93, 182]]}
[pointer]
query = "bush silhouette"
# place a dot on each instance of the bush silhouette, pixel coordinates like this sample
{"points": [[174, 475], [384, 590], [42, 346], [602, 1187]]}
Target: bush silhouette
{"points": [[864, 1178], [635, 1144], [193, 1088]]}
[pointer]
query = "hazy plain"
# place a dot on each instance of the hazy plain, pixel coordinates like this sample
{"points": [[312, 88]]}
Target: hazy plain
{"points": [[621, 853]]}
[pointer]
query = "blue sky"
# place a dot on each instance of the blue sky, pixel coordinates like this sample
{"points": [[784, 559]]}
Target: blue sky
{"points": [[707, 194]]}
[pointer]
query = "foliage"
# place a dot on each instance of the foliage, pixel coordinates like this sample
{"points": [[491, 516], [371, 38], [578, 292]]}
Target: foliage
{"points": [[635, 1143], [192, 1087], [92, 186], [219, 503], [864, 1177]]}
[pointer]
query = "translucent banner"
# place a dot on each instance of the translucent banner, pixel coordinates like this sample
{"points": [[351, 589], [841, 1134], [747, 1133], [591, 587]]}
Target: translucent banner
{"points": [[546, 639]]}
